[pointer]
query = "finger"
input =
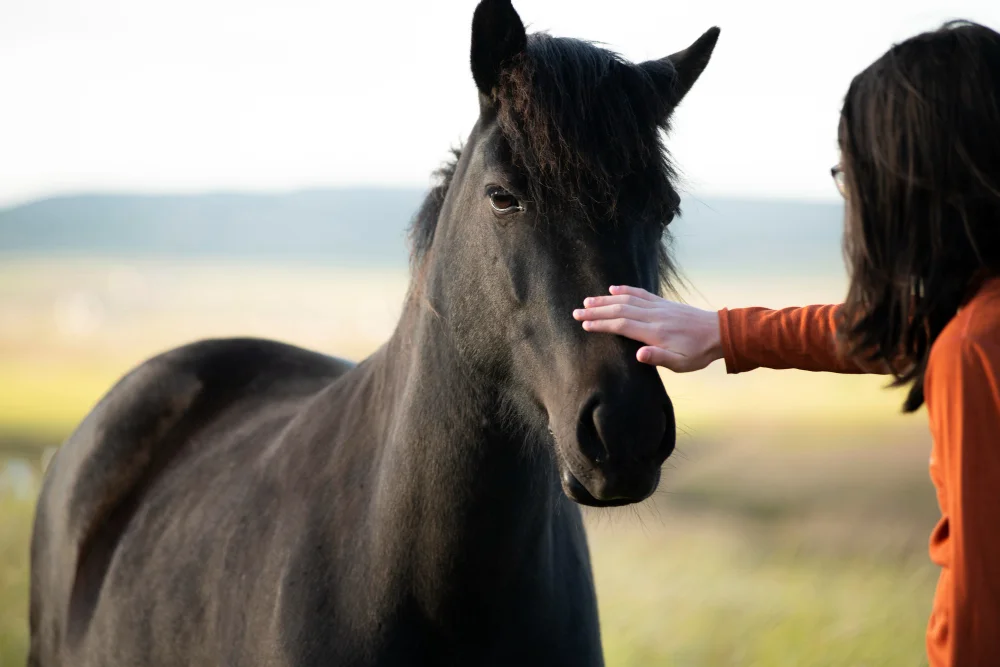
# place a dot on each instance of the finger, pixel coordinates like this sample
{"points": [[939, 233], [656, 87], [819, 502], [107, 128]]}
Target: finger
{"points": [[637, 292], [593, 301], [657, 356], [640, 331], [616, 311]]}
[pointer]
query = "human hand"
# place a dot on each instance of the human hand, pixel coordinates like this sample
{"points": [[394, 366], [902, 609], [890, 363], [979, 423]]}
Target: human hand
{"points": [[676, 336]]}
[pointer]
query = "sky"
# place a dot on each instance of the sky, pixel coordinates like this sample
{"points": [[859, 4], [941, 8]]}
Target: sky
{"points": [[241, 95]]}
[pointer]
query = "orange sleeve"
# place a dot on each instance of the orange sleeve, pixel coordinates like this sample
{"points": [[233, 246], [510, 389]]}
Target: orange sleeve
{"points": [[802, 338], [963, 401]]}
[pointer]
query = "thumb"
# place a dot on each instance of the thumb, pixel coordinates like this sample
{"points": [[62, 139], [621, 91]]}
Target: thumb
{"points": [[657, 356]]}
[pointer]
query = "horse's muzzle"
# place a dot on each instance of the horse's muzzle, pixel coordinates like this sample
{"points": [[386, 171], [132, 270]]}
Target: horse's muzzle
{"points": [[619, 451]]}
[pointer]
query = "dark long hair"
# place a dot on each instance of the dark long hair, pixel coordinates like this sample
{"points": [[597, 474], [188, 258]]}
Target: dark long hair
{"points": [[920, 143]]}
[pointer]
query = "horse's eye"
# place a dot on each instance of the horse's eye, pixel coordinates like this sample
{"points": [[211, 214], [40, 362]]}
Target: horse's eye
{"points": [[504, 202]]}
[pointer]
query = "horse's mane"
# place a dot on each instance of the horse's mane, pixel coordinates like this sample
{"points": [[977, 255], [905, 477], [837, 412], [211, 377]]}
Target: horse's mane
{"points": [[582, 126], [421, 231]]}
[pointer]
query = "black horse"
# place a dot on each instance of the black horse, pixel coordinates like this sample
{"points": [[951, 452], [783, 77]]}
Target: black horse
{"points": [[244, 502]]}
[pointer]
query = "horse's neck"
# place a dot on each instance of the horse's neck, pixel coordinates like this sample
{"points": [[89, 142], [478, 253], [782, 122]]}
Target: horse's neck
{"points": [[472, 496]]}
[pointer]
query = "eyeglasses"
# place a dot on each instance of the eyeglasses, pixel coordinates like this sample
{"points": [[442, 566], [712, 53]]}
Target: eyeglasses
{"points": [[840, 180]]}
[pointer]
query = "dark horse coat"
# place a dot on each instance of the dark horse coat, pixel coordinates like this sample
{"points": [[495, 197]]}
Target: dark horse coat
{"points": [[245, 502]]}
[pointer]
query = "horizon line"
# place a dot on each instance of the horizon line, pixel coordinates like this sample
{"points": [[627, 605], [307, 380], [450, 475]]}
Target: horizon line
{"points": [[9, 204]]}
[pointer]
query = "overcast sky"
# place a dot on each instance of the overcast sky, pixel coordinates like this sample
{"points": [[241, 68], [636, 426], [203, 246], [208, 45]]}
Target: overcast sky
{"points": [[194, 95]]}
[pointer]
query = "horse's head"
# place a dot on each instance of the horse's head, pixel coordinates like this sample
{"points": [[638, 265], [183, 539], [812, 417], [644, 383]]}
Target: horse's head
{"points": [[562, 189]]}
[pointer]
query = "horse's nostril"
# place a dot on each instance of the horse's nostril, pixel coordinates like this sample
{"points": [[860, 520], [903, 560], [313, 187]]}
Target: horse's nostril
{"points": [[589, 433], [625, 431]]}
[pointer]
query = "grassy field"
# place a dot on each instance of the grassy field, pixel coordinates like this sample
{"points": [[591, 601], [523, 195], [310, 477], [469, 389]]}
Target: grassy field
{"points": [[790, 529]]}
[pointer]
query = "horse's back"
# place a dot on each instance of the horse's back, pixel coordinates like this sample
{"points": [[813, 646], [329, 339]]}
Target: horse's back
{"points": [[147, 423]]}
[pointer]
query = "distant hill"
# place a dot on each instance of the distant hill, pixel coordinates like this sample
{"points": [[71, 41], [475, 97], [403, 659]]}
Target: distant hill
{"points": [[361, 226], [367, 226]]}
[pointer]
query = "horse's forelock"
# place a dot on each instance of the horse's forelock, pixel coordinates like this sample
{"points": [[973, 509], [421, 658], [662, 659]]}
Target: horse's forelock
{"points": [[580, 120]]}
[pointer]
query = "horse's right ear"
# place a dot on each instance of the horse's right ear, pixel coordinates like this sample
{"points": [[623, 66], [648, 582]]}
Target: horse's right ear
{"points": [[675, 74], [497, 37]]}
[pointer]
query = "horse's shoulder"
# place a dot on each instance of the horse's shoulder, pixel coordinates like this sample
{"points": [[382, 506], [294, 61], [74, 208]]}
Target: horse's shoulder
{"points": [[140, 424]]}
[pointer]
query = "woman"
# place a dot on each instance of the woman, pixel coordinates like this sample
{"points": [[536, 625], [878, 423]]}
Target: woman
{"points": [[920, 171]]}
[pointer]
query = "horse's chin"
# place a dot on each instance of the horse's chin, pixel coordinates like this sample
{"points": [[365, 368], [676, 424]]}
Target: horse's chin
{"points": [[578, 493]]}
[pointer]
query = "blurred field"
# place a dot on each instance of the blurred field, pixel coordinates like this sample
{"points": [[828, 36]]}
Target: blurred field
{"points": [[790, 528]]}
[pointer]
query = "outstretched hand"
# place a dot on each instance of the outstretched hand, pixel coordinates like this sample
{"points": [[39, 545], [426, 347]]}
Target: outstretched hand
{"points": [[676, 336]]}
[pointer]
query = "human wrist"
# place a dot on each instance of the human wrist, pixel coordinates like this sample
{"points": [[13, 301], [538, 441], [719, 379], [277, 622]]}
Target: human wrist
{"points": [[715, 349]]}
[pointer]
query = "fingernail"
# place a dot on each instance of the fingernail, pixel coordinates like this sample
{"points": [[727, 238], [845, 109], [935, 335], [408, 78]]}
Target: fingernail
{"points": [[642, 355], [586, 325], [577, 313], [588, 301]]}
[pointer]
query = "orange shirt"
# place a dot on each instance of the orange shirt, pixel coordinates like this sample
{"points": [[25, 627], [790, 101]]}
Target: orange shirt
{"points": [[962, 391]]}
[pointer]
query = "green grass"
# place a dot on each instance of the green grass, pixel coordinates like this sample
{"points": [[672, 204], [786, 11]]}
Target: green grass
{"points": [[698, 598], [44, 402], [15, 531], [758, 552]]}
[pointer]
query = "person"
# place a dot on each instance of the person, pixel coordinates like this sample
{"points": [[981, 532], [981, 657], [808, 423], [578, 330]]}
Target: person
{"points": [[919, 139]]}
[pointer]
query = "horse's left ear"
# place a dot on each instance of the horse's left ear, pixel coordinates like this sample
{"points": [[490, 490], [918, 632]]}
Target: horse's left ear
{"points": [[497, 37], [675, 74]]}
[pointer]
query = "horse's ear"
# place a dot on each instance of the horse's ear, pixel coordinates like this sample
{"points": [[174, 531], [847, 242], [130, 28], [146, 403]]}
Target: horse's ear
{"points": [[675, 74], [497, 36]]}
